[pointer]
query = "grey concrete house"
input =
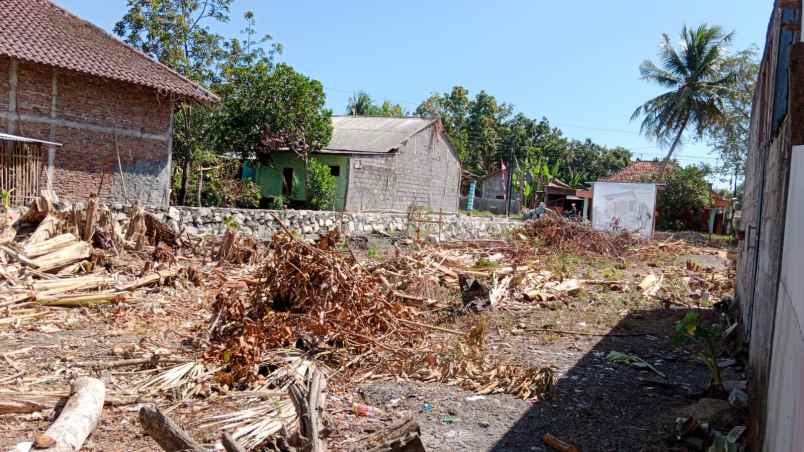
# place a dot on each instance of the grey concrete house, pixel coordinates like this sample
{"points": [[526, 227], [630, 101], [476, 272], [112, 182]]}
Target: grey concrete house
{"points": [[379, 163]]}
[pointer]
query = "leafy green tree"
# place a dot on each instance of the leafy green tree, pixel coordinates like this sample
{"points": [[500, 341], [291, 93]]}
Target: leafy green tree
{"points": [[729, 138], [698, 86], [322, 186], [273, 111], [684, 197], [361, 104], [453, 110], [178, 34]]}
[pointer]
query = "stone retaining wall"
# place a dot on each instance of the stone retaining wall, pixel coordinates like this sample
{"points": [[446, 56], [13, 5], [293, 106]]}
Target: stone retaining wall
{"points": [[311, 224]]}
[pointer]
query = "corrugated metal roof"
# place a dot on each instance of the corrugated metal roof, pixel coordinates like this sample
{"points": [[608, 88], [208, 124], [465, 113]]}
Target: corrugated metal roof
{"points": [[372, 135], [19, 139]]}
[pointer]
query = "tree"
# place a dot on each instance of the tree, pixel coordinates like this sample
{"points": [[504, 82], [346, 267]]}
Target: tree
{"points": [[178, 34], [685, 196], [322, 186], [273, 111], [729, 138], [698, 86], [361, 104]]}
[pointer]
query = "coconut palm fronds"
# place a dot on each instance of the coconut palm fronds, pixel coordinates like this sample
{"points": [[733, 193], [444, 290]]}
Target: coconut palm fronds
{"points": [[183, 379], [253, 425]]}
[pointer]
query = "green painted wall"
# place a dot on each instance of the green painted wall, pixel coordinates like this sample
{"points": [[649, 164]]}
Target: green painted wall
{"points": [[270, 177]]}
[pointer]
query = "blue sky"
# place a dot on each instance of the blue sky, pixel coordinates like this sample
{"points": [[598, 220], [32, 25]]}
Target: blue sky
{"points": [[575, 62]]}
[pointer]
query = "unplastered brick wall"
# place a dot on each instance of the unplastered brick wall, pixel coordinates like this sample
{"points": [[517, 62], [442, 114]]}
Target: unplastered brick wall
{"points": [[115, 135], [312, 224]]}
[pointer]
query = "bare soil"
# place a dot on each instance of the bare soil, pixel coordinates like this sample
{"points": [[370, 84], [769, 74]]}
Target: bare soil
{"points": [[596, 405]]}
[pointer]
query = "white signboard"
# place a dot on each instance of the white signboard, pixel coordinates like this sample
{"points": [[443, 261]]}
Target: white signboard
{"points": [[619, 207]]}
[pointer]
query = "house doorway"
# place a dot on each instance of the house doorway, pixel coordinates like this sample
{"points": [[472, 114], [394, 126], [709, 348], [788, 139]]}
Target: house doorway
{"points": [[287, 182]]}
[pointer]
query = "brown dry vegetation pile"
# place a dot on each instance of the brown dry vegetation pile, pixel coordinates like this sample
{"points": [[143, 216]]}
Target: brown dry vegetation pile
{"points": [[570, 236], [307, 297]]}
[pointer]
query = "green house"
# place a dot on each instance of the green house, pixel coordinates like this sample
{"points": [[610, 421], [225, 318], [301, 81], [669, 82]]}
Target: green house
{"points": [[379, 164]]}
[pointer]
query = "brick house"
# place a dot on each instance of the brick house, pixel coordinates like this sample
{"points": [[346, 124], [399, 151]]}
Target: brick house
{"points": [[65, 80], [379, 164]]}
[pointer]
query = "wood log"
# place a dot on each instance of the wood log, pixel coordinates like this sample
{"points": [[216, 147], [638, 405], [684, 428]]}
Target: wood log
{"points": [[20, 406], [37, 249], [148, 279], [231, 444], [91, 216], [404, 436], [136, 226], [65, 256], [40, 208], [52, 286], [47, 228], [169, 435], [19, 257], [227, 245], [73, 268], [77, 420], [72, 301], [310, 403]]}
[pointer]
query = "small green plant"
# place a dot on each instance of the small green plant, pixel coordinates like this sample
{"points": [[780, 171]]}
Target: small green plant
{"points": [[277, 202], [727, 443], [321, 186], [231, 222], [691, 329], [5, 198], [483, 262], [373, 252]]}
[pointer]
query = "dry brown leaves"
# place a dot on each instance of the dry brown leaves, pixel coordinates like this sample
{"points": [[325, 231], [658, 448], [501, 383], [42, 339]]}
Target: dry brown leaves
{"points": [[306, 297], [571, 236]]}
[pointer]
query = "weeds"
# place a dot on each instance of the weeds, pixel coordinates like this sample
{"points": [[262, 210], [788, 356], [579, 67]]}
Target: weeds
{"points": [[691, 329]]}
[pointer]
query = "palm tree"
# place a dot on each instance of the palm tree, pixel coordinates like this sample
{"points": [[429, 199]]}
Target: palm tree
{"points": [[360, 104], [698, 86]]}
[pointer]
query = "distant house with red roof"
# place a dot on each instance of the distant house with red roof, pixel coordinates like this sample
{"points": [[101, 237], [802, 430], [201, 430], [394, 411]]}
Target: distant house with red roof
{"points": [[642, 171], [638, 171], [65, 80]]}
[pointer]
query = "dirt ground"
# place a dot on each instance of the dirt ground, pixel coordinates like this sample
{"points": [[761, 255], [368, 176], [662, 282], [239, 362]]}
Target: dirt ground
{"points": [[595, 404]]}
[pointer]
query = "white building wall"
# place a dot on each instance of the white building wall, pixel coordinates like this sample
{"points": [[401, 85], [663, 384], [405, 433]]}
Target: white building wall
{"points": [[785, 422]]}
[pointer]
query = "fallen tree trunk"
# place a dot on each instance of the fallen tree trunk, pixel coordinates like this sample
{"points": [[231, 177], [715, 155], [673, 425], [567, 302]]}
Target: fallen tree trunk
{"points": [[37, 249], [63, 257], [77, 420], [401, 437], [309, 405], [169, 435], [46, 229]]}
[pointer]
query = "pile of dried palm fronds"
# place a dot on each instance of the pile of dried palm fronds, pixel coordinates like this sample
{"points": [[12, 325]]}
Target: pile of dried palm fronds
{"points": [[565, 235], [465, 363], [306, 296]]}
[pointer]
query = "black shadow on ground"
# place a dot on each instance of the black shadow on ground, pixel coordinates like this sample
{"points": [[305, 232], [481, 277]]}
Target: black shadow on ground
{"points": [[602, 406]]}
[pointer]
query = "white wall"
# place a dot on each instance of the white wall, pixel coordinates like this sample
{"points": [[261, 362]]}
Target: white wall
{"points": [[629, 207], [785, 422]]}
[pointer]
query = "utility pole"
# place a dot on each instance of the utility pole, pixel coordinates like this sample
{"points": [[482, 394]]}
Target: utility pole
{"points": [[510, 181]]}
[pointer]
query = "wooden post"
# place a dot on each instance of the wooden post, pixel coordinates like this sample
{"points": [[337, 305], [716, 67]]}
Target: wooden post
{"points": [[91, 213], [169, 435]]}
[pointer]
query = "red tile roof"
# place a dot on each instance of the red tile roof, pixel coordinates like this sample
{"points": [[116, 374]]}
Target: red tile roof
{"points": [[639, 171], [41, 32]]}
